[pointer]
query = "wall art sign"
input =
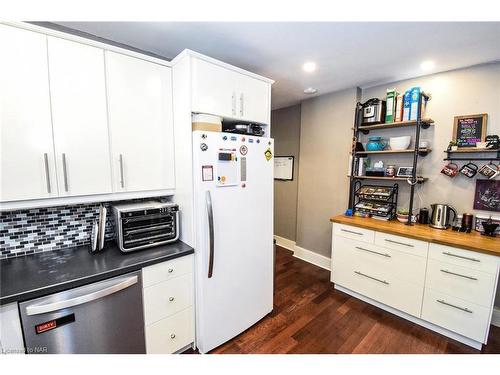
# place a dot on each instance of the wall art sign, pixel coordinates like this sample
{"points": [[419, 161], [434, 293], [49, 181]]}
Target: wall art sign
{"points": [[470, 129], [487, 196]]}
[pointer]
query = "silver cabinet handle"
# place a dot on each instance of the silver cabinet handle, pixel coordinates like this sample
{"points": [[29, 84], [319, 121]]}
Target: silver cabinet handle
{"points": [[65, 172], [457, 274], [122, 181], [170, 270], [210, 213], [351, 231], [172, 336], [371, 277], [233, 104], [171, 299], [374, 252], [460, 256], [47, 173], [454, 306], [242, 101], [399, 243], [36, 309]]}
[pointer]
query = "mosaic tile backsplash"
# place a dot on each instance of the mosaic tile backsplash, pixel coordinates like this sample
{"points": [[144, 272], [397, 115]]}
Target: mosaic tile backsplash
{"points": [[31, 231]]}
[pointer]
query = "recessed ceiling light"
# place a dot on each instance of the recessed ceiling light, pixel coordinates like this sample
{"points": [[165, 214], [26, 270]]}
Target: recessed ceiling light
{"points": [[309, 66], [427, 65], [310, 90]]}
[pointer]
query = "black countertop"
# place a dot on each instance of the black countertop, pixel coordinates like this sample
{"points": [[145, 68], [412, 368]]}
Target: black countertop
{"points": [[33, 276]]}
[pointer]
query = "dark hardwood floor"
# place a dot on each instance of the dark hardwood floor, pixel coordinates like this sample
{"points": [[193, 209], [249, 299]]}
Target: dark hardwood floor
{"points": [[311, 317]]}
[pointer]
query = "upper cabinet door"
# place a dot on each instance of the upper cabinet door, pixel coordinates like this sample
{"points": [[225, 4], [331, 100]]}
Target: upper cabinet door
{"points": [[214, 89], [79, 116], [253, 99], [27, 152], [141, 123], [224, 92]]}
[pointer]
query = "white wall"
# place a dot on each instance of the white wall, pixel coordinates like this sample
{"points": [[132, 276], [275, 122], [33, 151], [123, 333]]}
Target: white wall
{"points": [[460, 92]]}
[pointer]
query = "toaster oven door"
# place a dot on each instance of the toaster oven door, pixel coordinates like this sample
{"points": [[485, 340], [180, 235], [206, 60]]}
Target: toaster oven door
{"points": [[140, 232]]}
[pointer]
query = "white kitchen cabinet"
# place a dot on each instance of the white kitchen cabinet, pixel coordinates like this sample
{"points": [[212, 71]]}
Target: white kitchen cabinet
{"points": [[141, 123], [446, 289], [27, 149], [224, 92], [79, 118], [11, 335], [168, 299]]}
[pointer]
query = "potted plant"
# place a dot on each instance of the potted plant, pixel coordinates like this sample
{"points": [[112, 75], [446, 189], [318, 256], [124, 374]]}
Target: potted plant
{"points": [[402, 215], [453, 146]]}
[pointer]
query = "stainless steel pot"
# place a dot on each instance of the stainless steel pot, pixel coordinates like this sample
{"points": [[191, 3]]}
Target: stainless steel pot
{"points": [[440, 217]]}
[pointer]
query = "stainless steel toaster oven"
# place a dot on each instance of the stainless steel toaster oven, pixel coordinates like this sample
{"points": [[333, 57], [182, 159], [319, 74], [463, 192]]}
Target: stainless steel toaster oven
{"points": [[141, 225]]}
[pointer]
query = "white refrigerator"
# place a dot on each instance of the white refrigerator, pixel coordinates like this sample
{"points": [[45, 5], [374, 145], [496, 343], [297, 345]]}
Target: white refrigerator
{"points": [[233, 202]]}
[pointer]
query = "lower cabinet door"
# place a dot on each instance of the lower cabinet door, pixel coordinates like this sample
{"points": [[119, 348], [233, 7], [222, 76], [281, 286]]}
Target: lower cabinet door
{"points": [[382, 287], [463, 317], [170, 334]]}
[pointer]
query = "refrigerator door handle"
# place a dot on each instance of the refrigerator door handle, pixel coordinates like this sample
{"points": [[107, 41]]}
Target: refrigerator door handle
{"points": [[210, 212], [79, 300]]}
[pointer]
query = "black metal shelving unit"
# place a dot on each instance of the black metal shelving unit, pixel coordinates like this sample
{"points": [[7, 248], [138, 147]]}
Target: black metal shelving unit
{"points": [[419, 124]]}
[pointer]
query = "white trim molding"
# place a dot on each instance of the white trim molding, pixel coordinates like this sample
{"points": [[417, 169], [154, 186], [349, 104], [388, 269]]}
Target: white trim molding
{"points": [[304, 254], [285, 242], [495, 318], [312, 257]]}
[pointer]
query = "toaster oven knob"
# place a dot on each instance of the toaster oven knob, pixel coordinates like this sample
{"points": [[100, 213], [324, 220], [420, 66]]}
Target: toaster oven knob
{"points": [[171, 299], [170, 270], [172, 336]]}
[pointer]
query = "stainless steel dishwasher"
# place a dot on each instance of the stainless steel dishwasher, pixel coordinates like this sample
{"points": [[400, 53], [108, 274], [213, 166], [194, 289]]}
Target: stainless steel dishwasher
{"points": [[103, 317]]}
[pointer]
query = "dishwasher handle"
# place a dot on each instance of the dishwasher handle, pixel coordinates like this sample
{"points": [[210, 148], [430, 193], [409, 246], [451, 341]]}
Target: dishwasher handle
{"points": [[37, 309]]}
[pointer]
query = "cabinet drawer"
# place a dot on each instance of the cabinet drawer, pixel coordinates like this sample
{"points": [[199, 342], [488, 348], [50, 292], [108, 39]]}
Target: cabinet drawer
{"points": [[464, 258], [457, 315], [354, 233], [464, 283], [381, 287], [404, 244], [375, 258], [167, 298], [170, 334], [167, 270]]}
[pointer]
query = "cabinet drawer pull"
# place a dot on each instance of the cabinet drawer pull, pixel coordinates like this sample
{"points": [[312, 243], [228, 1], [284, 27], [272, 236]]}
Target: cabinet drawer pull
{"points": [[171, 299], [47, 175], [371, 277], [172, 336], [460, 256], [374, 252], [351, 231], [170, 270], [457, 274], [398, 243], [455, 306], [65, 173]]}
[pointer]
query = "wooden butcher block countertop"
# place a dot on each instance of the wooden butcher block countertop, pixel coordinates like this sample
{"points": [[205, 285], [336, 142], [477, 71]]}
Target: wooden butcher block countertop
{"points": [[469, 241]]}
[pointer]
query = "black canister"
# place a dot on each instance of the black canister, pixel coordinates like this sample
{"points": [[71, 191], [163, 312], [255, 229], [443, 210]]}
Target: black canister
{"points": [[423, 216]]}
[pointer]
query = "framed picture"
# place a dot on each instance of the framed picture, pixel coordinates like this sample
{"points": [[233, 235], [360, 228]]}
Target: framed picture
{"points": [[404, 172], [283, 168], [470, 129], [487, 196]]}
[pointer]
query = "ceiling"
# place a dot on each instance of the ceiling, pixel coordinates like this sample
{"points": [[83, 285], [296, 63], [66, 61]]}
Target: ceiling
{"points": [[347, 54]]}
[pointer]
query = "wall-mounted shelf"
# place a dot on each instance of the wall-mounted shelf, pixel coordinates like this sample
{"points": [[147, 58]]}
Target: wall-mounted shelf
{"points": [[425, 123], [419, 178], [421, 151], [495, 154]]}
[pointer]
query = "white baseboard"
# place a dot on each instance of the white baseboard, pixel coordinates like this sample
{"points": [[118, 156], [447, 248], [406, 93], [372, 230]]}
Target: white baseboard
{"points": [[304, 254], [285, 242], [495, 318], [312, 257]]}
